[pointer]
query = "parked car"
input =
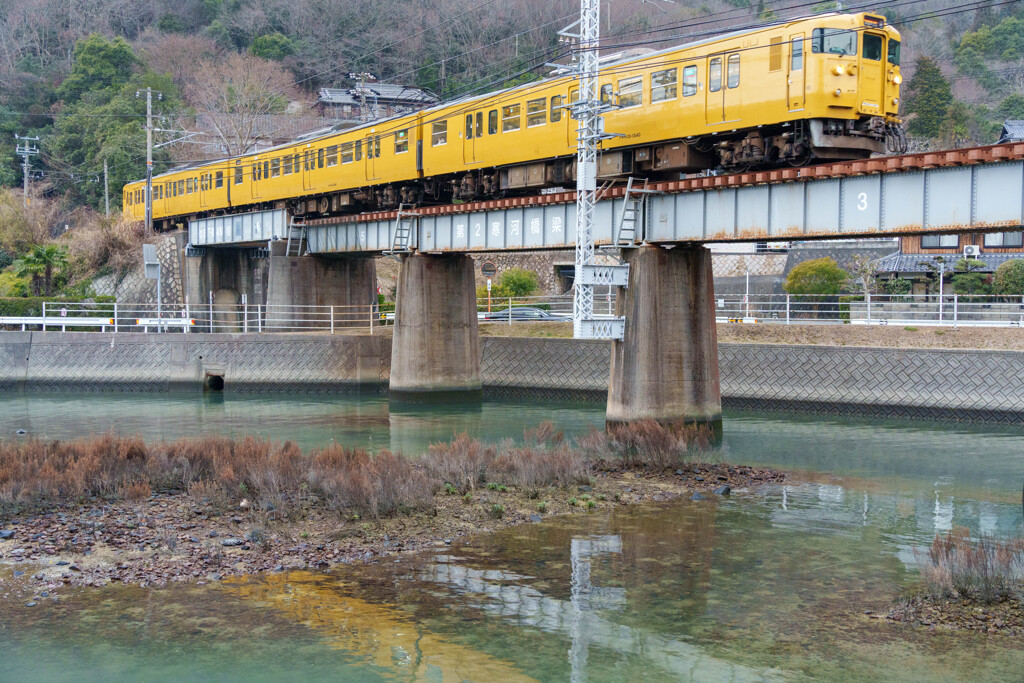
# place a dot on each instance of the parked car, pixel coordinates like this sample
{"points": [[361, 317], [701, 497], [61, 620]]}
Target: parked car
{"points": [[524, 314]]}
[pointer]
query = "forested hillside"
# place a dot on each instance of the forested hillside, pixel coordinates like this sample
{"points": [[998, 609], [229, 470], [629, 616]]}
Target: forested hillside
{"points": [[70, 71]]}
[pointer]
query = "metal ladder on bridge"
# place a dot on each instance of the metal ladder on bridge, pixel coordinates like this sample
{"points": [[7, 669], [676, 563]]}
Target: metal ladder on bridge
{"points": [[296, 236], [632, 215], [405, 223]]}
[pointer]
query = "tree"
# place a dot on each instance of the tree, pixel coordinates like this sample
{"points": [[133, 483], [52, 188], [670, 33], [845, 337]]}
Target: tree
{"points": [[99, 64], [273, 46], [968, 279], [864, 273], [1009, 278], [40, 264], [519, 282], [928, 97], [817, 276], [234, 95]]}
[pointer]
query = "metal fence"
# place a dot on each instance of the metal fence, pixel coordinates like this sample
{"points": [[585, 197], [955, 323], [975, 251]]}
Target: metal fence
{"points": [[919, 310], [951, 310]]}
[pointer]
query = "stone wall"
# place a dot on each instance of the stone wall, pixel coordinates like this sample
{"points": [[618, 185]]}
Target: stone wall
{"points": [[133, 287], [967, 385]]}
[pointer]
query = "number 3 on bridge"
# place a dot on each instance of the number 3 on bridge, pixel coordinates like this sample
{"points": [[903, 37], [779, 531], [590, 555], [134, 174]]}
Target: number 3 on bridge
{"points": [[862, 201]]}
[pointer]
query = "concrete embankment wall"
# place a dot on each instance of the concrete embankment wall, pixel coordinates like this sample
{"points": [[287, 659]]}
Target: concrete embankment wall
{"points": [[932, 383]]}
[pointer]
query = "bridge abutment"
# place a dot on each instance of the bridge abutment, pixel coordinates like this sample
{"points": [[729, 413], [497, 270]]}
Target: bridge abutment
{"points": [[666, 367], [436, 345]]}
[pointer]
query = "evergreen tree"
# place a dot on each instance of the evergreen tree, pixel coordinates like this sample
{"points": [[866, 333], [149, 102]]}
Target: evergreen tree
{"points": [[929, 97]]}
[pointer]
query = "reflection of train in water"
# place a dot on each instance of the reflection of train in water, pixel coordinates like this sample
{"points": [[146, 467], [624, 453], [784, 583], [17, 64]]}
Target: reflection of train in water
{"points": [[826, 87]]}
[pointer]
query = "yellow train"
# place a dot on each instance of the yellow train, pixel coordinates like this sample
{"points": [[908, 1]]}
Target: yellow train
{"points": [[825, 87]]}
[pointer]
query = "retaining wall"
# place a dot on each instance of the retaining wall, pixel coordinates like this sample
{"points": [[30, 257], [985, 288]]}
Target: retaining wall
{"points": [[977, 386]]}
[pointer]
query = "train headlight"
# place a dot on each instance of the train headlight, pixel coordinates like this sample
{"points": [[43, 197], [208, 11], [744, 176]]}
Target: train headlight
{"points": [[897, 79], [895, 101], [838, 92], [838, 70]]}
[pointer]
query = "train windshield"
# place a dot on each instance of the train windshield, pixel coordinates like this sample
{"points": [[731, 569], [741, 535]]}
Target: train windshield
{"points": [[894, 52], [834, 41]]}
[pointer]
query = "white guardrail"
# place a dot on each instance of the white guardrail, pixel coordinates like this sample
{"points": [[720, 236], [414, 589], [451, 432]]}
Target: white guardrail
{"points": [[908, 310]]}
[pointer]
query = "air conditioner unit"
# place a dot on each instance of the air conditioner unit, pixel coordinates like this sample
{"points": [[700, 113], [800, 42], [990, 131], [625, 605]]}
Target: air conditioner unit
{"points": [[971, 250]]}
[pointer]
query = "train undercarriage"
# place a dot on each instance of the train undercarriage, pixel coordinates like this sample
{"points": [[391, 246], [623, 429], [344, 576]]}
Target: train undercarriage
{"points": [[797, 143]]}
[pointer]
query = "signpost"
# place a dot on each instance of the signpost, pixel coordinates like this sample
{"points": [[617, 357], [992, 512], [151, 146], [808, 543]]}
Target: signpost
{"points": [[152, 264], [488, 295]]}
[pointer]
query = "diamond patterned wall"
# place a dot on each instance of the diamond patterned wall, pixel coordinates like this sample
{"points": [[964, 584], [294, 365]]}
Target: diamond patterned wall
{"points": [[945, 384]]}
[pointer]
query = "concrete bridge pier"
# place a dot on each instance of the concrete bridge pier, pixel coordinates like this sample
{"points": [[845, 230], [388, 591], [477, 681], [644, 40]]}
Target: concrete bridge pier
{"points": [[666, 367], [435, 349], [348, 283]]}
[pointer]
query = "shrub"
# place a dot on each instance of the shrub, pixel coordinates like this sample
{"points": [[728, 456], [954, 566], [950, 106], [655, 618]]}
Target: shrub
{"points": [[898, 286], [816, 276], [461, 461], [1008, 279]]}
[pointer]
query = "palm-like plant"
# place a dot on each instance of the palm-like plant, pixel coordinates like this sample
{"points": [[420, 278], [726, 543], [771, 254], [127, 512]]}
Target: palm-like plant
{"points": [[41, 263]]}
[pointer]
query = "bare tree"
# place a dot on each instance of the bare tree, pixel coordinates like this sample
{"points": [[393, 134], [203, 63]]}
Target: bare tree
{"points": [[233, 95], [176, 54], [864, 273]]}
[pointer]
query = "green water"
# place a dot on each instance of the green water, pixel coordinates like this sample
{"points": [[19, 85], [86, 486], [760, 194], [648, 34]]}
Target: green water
{"points": [[765, 585]]}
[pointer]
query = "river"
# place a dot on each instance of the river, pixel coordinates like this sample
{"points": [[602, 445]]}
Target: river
{"points": [[764, 585]]}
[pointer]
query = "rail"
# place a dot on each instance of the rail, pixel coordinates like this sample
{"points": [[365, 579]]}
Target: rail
{"points": [[952, 310]]}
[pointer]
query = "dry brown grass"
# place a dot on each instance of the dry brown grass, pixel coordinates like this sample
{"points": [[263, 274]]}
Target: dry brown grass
{"points": [[217, 472], [986, 570]]}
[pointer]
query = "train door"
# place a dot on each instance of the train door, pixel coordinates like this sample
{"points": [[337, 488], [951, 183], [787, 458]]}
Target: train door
{"points": [[796, 83], [256, 170], [308, 162], [372, 151], [468, 141], [872, 78], [732, 102], [204, 187], [571, 123], [714, 95]]}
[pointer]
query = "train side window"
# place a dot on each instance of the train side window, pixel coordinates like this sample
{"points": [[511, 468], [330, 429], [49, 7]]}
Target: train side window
{"points": [[348, 152], [266, 169], [574, 95], [402, 141], [320, 158], [797, 61], [439, 133], [734, 71], [510, 118], [287, 164], [631, 92], [715, 75], [469, 126], [492, 122], [202, 186], [536, 112], [332, 155], [556, 109], [238, 173], [872, 47], [690, 80], [359, 150], [479, 124], [220, 179], [275, 167], [376, 147], [894, 52], [181, 185], [295, 162], [606, 93], [663, 84]]}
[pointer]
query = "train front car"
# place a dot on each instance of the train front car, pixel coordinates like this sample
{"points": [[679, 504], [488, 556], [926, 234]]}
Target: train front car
{"points": [[854, 102]]}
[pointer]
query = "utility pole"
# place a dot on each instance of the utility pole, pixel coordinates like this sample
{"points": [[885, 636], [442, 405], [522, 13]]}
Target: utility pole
{"points": [[362, 77], [106, 189], [25, 151], [587, 111], [149, 154]]}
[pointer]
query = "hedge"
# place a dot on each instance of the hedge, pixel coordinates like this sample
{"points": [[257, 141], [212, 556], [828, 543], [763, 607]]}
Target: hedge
{"points": [[33, 306]]}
